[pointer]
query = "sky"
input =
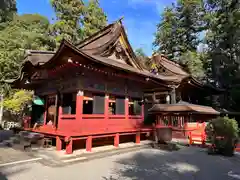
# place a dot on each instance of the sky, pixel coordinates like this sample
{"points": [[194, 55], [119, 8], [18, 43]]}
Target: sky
{"points": [[140, 16]]}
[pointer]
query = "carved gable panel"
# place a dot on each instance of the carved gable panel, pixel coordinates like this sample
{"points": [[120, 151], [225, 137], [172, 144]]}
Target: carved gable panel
{"points": [[42, 74]]}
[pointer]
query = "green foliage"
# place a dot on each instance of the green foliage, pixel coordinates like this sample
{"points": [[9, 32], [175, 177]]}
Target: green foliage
{"points": [[94, 18], [165, 37], [68, 22], [143, 59], [223, 39], [223, 132], [177, 34], [194, 64], [7, 11], [28, 31], [178, 30], [140, 53], [18, 101], [76, 20]]}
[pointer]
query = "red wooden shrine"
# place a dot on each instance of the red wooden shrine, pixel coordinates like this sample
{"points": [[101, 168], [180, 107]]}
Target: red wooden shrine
{"points": [[90, 90], [185, 119], [97, 89]]}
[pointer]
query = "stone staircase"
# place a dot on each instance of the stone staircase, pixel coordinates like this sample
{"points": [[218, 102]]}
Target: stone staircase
{"points": [[23, 140]]}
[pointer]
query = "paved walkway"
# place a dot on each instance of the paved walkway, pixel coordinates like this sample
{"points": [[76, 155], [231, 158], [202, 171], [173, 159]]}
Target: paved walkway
{"points": [[146, 164], [8, 155]]}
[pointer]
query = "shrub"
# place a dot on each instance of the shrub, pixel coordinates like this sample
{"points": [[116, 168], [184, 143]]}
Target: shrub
{"points": [[222, 132]]}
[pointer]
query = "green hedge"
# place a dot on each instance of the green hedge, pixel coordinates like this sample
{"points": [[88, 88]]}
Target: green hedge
{"points": [[223, 133]]}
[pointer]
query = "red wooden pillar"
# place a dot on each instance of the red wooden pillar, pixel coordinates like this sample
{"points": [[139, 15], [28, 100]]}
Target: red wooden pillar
{"points": [[60, 111], [45, 111], [79, 105], [69, 149], [126, 108], [185, 122], [106, 105], [89, 144], [142, 113], [179, 121], [116, 140], [190, 138], [137, 137], [58, 144]]}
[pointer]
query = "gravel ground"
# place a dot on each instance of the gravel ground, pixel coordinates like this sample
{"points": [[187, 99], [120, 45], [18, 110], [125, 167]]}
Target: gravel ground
{"points": [[149, 164], [9, 155]]}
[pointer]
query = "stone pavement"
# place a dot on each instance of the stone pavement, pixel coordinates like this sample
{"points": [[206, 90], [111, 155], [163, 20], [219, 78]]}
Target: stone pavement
{"points": [[53, 158], [189, 163], [8, 155]]}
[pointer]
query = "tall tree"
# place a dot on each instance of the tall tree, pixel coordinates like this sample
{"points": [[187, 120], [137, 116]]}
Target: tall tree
{"points": [[94, 18], [223, 39], [68, 22], [189, 15], [7, 10], [194, 64], [28, 31], [165, 37], [23, 32], [177, 34], [77, 20]]}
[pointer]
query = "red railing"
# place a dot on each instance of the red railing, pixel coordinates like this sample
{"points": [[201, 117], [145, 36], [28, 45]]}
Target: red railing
{"points": [[116, 116], [68, 116], [238, 147], [135, 117], [202, 139], [93, 116], [194, 137]]}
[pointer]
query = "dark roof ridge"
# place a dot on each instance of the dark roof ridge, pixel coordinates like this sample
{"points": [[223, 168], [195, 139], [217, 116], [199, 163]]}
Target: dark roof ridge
{"points": [[94, 58], [129, 45], [81, 43], [167, 60], [30, 51]]}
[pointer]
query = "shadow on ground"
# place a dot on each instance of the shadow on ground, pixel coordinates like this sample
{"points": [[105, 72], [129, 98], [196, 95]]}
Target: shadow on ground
{"points": [[5, 172], [188, 163]]}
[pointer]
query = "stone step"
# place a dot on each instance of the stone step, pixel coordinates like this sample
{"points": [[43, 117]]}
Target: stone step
{"points": [[23, 133], [23, 146]]}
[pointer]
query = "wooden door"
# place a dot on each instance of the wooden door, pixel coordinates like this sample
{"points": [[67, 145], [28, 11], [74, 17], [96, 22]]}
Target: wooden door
{"points": [[52, 110]]}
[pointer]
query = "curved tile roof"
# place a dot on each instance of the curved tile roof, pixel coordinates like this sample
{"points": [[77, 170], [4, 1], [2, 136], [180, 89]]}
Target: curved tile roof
{"points": [[182, 107], [169, 65]]}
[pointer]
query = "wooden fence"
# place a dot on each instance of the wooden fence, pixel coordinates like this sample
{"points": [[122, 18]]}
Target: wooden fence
{"points": [[201, 138]]}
